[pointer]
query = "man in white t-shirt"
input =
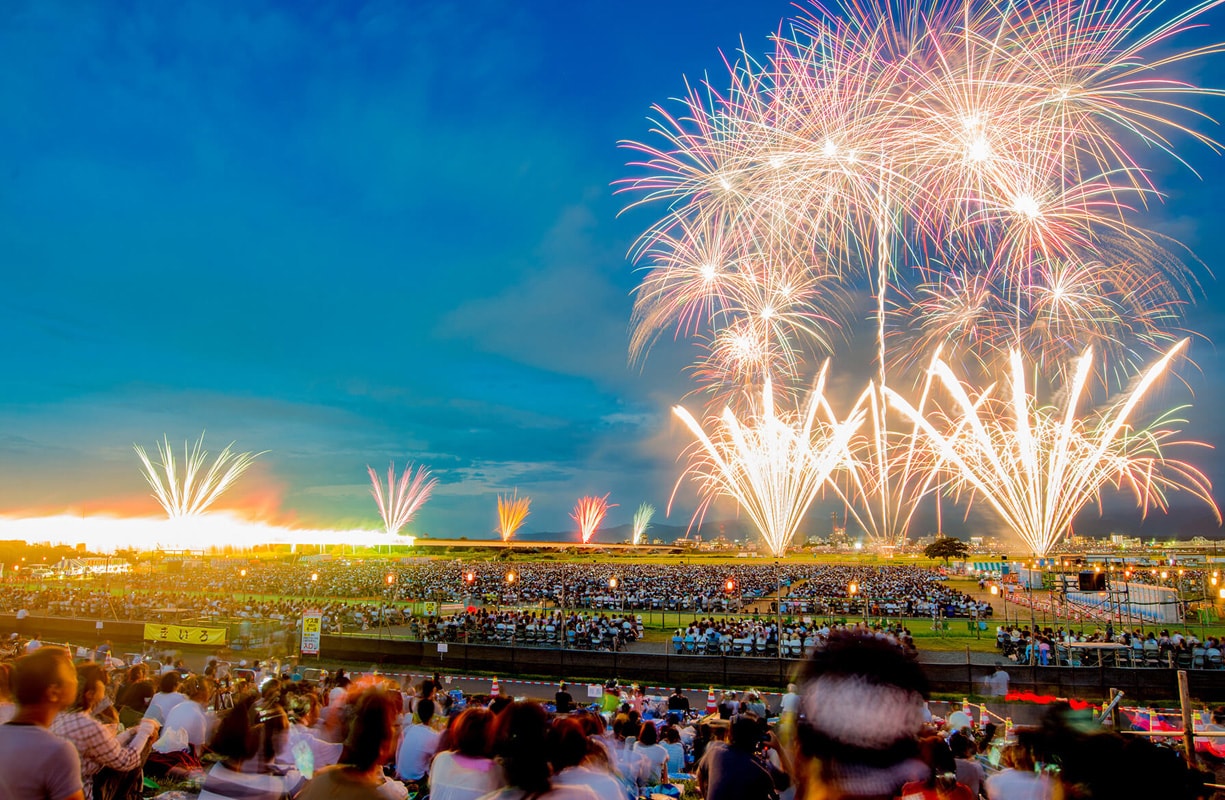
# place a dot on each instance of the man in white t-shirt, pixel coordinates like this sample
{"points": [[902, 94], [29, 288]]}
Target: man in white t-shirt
{"points": [[419, 745], [33, 644]]}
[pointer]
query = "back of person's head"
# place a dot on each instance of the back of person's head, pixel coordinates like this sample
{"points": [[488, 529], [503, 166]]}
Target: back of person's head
{"points": [[6, 682], [862, 702], [196, 688], [1105, 766], [593, 724], [46, 675], [371, 731], [936, 754], [169, 683], [520, 741], [671, 734], [137, 673], [425, 711], [1017, 756], [647, 734], [500, 703], [745, 732], [962, 746], [89, 674], [234, 738], [472, 732], [568, 744]]}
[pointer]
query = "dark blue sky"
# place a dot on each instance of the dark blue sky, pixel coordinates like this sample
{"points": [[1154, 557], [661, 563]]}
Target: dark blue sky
{"points": [[350, 233]]}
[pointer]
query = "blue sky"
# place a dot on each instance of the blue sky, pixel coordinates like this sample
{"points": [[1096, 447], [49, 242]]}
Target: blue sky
{"points": [[354, 233]]}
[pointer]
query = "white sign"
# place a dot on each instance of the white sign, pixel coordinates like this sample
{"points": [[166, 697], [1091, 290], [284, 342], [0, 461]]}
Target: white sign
{"points": [[595, 690], [312, 628], [442, 647]]}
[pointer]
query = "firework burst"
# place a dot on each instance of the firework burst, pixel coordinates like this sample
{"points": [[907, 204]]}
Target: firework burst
{"points": [[589, 513], [642, 520], [930, 151], [189, 491], [399, 500], [774, 463], [1039, 466], [512, 511]]}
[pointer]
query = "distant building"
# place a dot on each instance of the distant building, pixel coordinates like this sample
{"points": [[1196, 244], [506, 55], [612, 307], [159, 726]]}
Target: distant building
{"points": [[78, 567]]}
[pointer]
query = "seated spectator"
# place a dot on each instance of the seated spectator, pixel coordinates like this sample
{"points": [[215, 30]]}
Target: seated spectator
{"points": [[33, 761], [418, 746], [733, 772], [1017, 780], [657, 757], [243, 773], [110, 764], [521, 744], [187, 724], [167, 697], [578, 761], [676, 751], [303, 710], [467, 770], [369, 745], [941, 782], [134, 694], [969, 771]]}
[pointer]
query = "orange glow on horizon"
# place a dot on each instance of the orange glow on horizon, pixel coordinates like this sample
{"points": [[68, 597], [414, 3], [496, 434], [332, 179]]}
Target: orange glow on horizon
{"points": [[103, 532]]}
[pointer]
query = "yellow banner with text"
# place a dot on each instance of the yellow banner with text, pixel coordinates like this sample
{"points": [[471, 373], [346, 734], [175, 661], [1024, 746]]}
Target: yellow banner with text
{"points": [[184, 634]]}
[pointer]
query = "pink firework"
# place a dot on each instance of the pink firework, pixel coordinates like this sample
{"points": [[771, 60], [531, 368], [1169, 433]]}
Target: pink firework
{"points": [[399, 501], [589, 513]]}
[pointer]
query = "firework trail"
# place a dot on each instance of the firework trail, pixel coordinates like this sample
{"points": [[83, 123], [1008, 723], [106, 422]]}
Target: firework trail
{"points": [[773, 464], [589, 513], [512, 511], [1039, 466], [642, 520], [890, 473], [190, 491], [400, 500]]}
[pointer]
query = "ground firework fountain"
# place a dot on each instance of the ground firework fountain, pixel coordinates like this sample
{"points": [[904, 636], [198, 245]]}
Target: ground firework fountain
{"points": [[188, 490], [512, 511], [399, 500]]}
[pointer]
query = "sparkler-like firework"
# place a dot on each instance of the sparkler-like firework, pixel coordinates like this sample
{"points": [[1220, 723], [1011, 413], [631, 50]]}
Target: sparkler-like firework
{"points": [[512, 511], [1039, 466], [399, 501], [642, 520], [190, 491], [589, 513], [774, 463]]}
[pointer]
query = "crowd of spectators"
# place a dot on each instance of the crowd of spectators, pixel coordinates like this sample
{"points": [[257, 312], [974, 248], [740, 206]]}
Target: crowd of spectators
{"points": [[1057, 646], [855, 725], [366, 593]]}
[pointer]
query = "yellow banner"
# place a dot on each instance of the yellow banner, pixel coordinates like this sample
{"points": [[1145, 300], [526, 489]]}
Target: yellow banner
{"points": [[184, 634]]}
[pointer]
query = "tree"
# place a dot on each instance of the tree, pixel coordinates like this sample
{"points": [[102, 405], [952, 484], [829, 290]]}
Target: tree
{"points": [[947, 547]]}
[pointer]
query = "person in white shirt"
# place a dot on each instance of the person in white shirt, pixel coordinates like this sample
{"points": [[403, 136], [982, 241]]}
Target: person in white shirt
{"points": [[168, 696], [648, 745], [33, 644], [468, 771], [569, 749], [1017, 781], [418, 746], [189, 717]]}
